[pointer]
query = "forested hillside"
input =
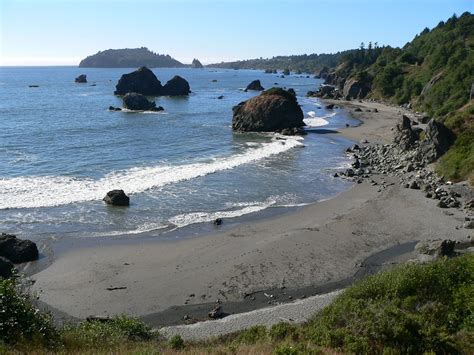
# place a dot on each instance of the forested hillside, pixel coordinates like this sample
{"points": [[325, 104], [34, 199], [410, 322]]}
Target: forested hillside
{"points": [[307, 63], [434, 73], [129, 58]]}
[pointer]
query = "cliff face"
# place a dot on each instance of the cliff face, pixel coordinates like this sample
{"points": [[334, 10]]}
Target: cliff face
{"points": [[129, 58]]}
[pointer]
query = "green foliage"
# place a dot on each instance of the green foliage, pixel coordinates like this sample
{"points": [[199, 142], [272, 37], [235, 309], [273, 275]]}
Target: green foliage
{"points": [[282, 331], [311, 63], [129, 58], [414, 309], [176, 342], [104, 334], [20, 320], [252, 335]]}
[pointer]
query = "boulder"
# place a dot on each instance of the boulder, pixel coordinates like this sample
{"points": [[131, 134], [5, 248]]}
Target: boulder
{"points": [[17, 250], [436, 248], [355, 89], [196, 64], [112, 108], [177, 86], [286, 72], [81, 79], [404, 136], [216, 312], [255, 85], [271, 111], [6, 268], [330, 106], [138, 102], [438, 139], [117, 198], [141, 81]]}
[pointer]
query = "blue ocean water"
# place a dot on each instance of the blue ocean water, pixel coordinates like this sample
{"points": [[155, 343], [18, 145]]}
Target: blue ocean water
{"points": [[61, 150]]}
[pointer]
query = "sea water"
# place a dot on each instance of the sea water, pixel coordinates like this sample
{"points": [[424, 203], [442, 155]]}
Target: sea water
{"points": [[61, 150]]}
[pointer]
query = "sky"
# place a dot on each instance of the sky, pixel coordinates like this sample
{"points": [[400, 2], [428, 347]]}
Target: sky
{"points": [[62, 32]]}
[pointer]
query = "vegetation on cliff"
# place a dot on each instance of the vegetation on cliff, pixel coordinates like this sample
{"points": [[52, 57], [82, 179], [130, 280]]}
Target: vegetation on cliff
{"points": [[306, 63], [129, 58], [434, 73]]}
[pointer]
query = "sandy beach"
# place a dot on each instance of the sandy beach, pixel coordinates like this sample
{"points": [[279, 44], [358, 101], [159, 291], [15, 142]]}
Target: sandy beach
{"points": [[317, 245]]}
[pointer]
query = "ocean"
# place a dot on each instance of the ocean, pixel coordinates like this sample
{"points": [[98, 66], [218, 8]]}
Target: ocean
{"points": [[61, 150]]}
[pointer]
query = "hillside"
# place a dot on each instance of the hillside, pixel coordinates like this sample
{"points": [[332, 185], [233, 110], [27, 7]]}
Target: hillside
{"points": [[129, 58], [311, 63], [433, 73]]}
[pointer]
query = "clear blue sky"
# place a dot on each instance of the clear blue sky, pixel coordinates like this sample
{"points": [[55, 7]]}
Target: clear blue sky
{"points": [[48, 32]]}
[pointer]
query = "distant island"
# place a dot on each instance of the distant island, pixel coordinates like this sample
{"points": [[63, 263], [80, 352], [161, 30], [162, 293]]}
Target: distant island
{"points": [[130, 58]]}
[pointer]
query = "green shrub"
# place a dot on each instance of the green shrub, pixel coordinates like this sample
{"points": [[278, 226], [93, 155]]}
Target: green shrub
{"points": [[252, 335], [176, 342], [414, 309], [103, 334], [282, 330], [20, 320]]}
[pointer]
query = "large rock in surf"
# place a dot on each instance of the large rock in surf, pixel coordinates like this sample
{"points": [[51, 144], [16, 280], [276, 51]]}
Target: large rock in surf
{"points": [[196, 64], [271, 111], [6, 268], [176, 87], [17, 250], [117, 198], [138, 102], [81, 79], [255, 85], [142, 81]]}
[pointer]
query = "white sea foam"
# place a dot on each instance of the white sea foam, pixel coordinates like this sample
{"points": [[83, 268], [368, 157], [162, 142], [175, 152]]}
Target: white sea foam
{"points": [[315, 121], [186, 219], [30, 192]]}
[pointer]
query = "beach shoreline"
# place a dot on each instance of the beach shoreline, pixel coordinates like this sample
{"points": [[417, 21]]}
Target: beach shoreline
{"points": [[315, 249]]}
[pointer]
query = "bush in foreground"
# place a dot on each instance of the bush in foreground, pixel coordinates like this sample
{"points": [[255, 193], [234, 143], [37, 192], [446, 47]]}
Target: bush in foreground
{"points": [[412, 309]]}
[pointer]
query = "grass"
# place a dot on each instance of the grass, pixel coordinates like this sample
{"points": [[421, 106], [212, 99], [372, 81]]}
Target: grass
{"points": [[413, 309], [458, 163]]}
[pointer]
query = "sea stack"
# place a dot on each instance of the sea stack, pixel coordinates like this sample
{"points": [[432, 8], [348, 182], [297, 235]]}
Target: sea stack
{"points": [[143, 81], [196, 64], [273, 110]]}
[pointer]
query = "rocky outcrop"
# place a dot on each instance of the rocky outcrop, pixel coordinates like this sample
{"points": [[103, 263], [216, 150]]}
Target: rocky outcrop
{"points": [[143, 81], [196, 64], [272, 111], [355, 89], [255, 85], [322, 74], [404, 137], [117, 198], [138, 102], [177, 86], [6, 268], [436, 248], [81, 78], [429, 85], [17, 250], [438, 139], [325, 92]]}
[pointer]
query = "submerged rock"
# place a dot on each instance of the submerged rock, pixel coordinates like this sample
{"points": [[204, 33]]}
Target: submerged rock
{"points": [[17, 250], [81, 79], [255, 85], [138, 102], [271, 111], [117, 198]]}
